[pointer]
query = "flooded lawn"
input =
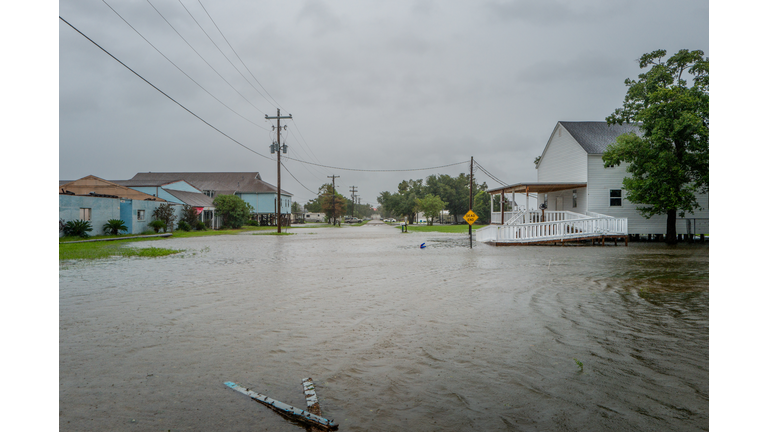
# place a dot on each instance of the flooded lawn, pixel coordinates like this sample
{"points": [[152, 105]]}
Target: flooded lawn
{"points": [[395, 337]]}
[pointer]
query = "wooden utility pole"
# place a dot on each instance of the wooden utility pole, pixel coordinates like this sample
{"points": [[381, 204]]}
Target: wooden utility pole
{"points": [[333, 195], [353, 189], [277, 147], [471, 180]]}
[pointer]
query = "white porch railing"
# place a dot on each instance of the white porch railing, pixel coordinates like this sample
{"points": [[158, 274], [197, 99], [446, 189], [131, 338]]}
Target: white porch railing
{"points": [[557, 225]]}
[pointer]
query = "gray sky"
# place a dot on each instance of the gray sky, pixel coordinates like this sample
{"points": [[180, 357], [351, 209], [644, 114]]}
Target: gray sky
{"points": [[371, 85]]}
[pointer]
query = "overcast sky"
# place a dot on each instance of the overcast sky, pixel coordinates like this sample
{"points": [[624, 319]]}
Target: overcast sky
{"points": [[371, 85]]}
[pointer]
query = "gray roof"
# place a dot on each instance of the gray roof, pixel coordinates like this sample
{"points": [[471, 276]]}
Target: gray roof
{"points": [[144, 183], [195, 199], [221, 182], [595, 136]]}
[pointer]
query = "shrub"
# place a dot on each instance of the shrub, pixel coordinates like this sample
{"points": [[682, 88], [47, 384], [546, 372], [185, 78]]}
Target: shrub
{"points": [[200, 226], [157, 224], [184, 226], [164, 212], [189, 215], [252, 222], [114, 226], [77, 228]]}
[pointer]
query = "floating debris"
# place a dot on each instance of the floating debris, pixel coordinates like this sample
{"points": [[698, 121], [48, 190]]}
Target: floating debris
{"points": [[283, 408]]}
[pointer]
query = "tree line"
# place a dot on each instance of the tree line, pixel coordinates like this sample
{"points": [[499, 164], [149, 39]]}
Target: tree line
{"points": [[435, 194]]}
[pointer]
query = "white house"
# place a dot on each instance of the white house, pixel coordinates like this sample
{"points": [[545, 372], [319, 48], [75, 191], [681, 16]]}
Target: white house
{"points": [[572, 182]]}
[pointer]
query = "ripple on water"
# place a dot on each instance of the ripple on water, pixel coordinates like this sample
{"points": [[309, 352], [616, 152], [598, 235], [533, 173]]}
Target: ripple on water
{"points": [[395, 337]]}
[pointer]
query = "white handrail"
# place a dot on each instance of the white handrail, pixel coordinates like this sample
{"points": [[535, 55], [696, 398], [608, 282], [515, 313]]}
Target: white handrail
{"points": [[558, 225]]}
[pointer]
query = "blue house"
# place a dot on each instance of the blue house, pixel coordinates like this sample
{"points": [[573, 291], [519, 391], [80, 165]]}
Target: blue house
{"points": [[97, 200], [249, 186], [178, 193]]}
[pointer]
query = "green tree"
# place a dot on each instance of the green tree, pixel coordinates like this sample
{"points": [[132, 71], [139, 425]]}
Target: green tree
{"points": [[482, 207], [333, 203], [431, 205], [669, 163], [165, 213], [233, 210]]}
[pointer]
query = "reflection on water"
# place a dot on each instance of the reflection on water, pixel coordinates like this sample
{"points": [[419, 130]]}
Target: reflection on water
{"points": [[395, 337]]}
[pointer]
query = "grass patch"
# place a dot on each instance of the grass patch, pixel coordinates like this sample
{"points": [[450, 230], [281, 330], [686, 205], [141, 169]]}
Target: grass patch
{"points": [[274, 233], [457, 229], [101, 250]]}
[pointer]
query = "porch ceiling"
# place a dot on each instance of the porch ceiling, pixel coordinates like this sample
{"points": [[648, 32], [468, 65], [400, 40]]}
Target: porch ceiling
{"points": [[536, 188]]}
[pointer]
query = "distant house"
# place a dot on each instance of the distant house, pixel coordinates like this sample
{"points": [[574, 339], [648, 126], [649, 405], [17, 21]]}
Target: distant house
{"points": [[249, 186], [97, 200], [572, 182]]}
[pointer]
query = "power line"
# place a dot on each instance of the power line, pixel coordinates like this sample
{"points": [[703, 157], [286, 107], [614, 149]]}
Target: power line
{"points": [[222, 52], [236, 141], [162, 92], [175, 65], [238, 57], [377, 170], [203, 59]]}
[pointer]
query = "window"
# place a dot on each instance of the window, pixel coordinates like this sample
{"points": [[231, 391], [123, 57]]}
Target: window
{"points": [[85, 214], [574, 198], [140, 214], [615, 197]]}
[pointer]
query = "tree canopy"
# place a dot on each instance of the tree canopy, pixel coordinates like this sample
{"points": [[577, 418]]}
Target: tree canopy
{"points": [[431, 205], [669, 163], [453, 191], [233, 210]]}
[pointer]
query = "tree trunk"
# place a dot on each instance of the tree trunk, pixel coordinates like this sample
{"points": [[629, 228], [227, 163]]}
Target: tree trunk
{"points": [[671, 226]]}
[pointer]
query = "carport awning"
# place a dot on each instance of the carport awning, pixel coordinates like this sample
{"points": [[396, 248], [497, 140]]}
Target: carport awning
{"points": [[536, 188]]}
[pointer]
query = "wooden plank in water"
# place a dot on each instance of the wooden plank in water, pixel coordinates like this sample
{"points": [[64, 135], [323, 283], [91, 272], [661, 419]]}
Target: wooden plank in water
{"points": [[291, 411]]}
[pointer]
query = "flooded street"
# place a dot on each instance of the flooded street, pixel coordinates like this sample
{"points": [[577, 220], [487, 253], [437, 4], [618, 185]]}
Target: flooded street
{"points": [[395, 337]]}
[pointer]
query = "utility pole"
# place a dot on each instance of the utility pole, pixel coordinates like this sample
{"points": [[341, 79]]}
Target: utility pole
{"points": [[353, 189], [471, 172], [333, 195], [275, 147]]}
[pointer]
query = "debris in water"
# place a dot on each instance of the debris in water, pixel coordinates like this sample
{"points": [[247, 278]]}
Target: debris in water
{"points": [[283, 408]]}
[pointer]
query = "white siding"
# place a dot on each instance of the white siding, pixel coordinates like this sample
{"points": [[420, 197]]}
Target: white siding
{"points": [[563, 160], [602, 180], [567, 195]]}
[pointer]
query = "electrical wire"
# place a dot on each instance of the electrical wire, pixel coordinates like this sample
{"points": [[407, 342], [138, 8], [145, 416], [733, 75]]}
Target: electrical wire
{"points": [[238, 56], [162, 92], [177, 67], [203, 59], [222, 52]]}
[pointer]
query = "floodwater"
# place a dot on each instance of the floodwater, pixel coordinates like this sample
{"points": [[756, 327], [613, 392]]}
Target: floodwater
{"points": [[395, 337]]}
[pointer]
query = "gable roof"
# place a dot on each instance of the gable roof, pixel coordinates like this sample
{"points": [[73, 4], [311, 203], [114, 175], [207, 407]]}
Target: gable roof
{"points": [[95, 186], [194, 199], [595, 136], [221, 182]]}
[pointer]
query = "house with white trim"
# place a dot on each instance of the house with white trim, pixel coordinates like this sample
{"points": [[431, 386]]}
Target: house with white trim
{"points": [[573, 184]]}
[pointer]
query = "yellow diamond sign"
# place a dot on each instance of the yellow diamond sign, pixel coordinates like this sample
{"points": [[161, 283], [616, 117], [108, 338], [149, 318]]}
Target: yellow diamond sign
{"points": [[470, 217]]}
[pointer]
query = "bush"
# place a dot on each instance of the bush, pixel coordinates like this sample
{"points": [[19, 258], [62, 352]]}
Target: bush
{"points": [[184, 226], [200, 226], [77, 228], [189, 215], [157, 224], [114, 226], [164, 212], [252, 222], [233, 210]]}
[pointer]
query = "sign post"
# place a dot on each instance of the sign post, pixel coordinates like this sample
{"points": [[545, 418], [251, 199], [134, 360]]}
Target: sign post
{"points": [[470, 217]]}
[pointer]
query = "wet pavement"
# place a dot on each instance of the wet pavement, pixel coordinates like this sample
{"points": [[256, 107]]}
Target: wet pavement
{"points": [[395, 337]]}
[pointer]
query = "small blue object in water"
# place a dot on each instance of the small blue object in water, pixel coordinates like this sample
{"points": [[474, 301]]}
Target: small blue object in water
{"points": [[423, 245]]}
